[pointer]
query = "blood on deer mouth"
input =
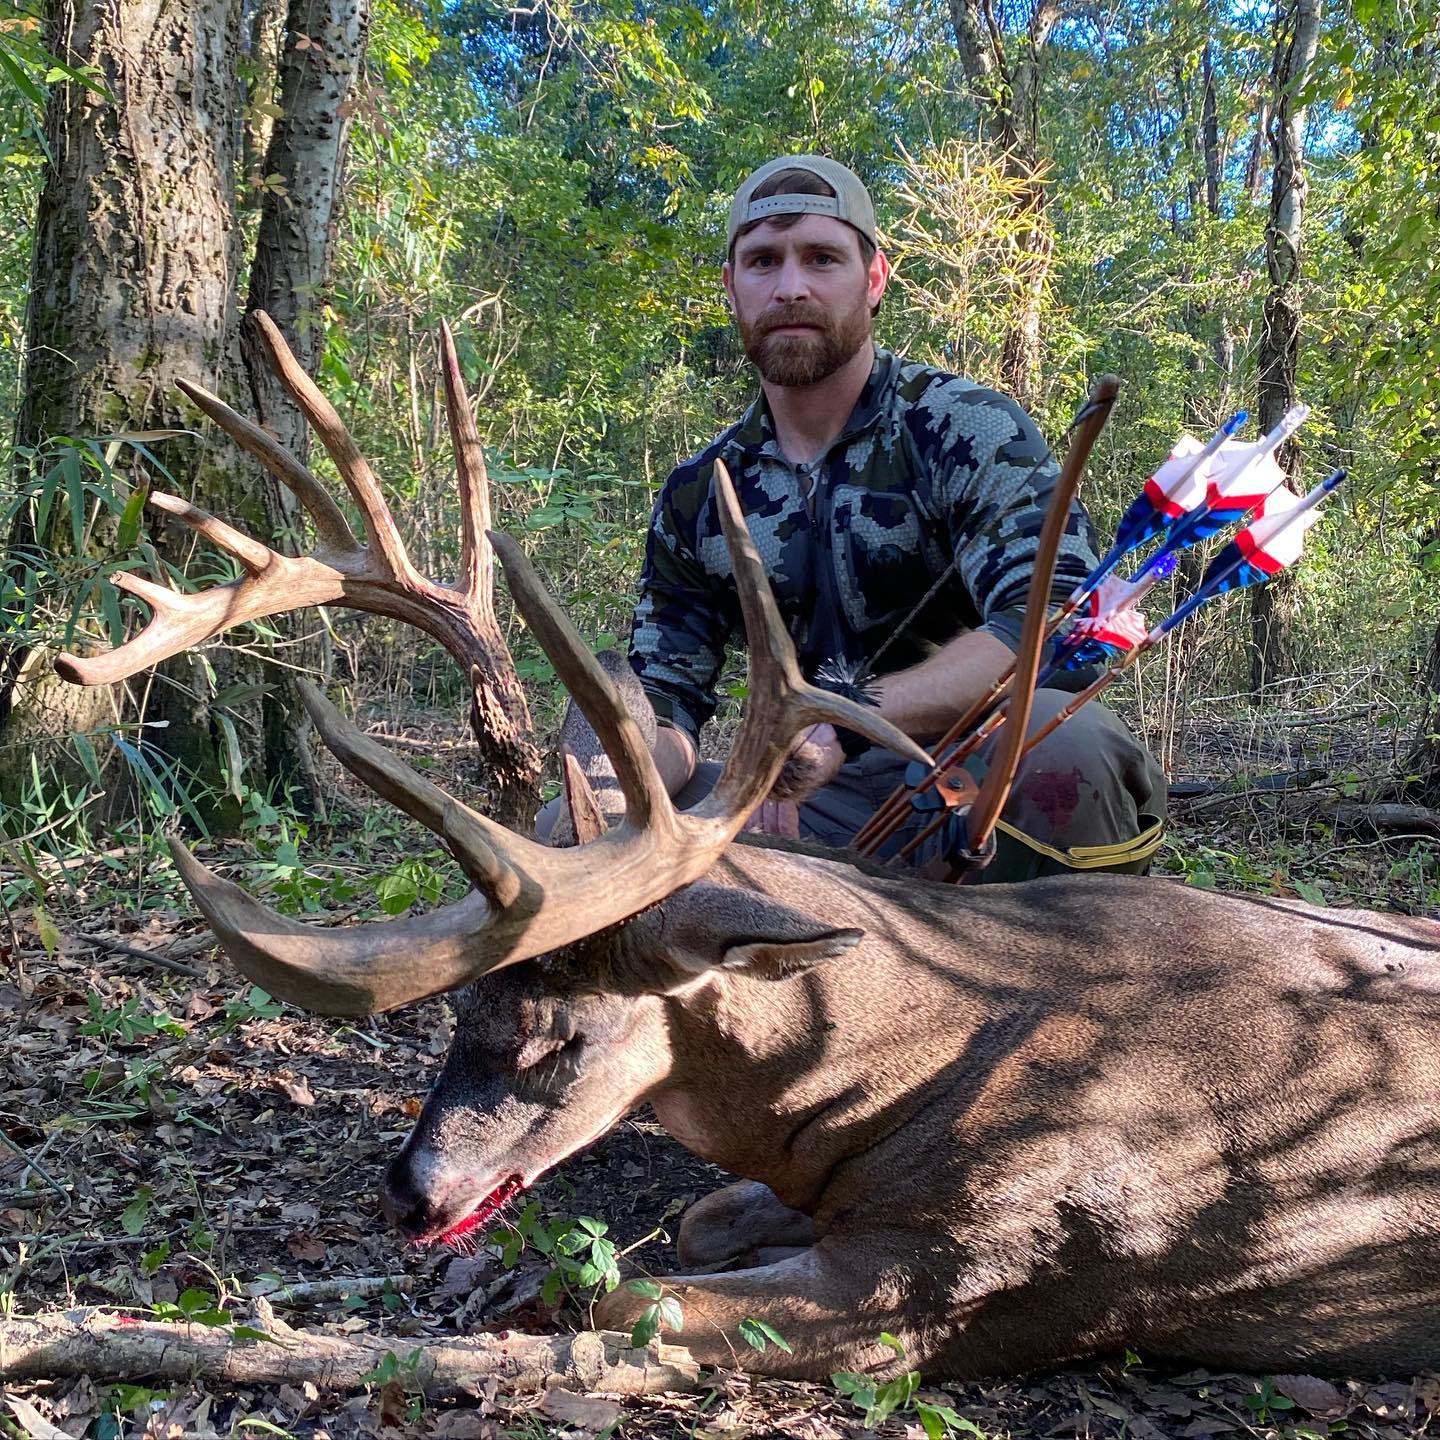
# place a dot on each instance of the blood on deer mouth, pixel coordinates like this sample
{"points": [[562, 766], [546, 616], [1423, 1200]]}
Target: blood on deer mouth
{"points": [[486, 1210]]}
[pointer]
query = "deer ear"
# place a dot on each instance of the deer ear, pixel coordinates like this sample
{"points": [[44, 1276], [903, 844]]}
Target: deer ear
{"points": [[712, 927]]}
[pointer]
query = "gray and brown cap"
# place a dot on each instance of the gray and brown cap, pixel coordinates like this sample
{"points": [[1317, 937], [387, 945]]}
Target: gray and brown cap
{"points": [[850, 202]]}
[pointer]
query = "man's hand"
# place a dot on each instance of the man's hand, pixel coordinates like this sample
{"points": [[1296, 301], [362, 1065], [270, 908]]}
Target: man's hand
{"points": [[813, 762]]}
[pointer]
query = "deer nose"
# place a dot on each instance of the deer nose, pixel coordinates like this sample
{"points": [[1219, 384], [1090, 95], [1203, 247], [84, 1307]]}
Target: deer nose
{"points": [[404, 1201]]}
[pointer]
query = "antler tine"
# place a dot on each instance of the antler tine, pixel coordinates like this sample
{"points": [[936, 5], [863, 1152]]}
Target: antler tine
{"points": [[354, 470], [646, 801], [354, 970], [586, 817], [185, 619], [477, 842], [780, 702], [473, 478], [330, 525], [252, 555]]}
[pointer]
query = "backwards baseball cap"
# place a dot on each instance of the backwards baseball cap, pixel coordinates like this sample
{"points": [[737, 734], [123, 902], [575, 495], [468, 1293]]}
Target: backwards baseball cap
{"points": [[850, 202]]}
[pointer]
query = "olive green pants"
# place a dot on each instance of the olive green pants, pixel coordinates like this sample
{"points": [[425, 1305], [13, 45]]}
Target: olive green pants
{"points": [[1090, 796]]}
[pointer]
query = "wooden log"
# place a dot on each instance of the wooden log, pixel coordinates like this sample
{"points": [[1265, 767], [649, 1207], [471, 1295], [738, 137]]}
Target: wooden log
{"points": [[109, 1347]]}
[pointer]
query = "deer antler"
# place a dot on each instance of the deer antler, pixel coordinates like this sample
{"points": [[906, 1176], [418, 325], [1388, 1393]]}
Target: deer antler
{"points": [[531, 898], [377, 576]]}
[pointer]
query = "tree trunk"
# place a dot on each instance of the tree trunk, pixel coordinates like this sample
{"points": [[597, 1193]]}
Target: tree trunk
{"points": [[1297, 30], [132, 285], [301, 174], [262, 41], [1006, 88]]}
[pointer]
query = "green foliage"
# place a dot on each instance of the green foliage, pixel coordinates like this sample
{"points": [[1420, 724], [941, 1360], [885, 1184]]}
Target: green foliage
{"points": [[255, 1004], [554, 182], [126, 1022], [1267, 1401], [757, 1334], [882, 1399], [664, 1312], [584, 1260]]}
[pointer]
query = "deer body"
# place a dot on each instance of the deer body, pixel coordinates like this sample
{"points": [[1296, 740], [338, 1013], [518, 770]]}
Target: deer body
{"points": [[1025, 1123], [1009, 1125]]}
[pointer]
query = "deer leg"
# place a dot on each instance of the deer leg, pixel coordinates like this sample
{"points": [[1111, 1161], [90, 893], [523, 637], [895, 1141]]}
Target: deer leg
{"points": [[831, 1302], [743, 1222]]}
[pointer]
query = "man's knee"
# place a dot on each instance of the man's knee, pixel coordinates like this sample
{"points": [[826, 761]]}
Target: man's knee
{"points": [[1090, 795]]}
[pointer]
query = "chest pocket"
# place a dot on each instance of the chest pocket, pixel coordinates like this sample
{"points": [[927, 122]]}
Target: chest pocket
{"points": [[883, 565]]}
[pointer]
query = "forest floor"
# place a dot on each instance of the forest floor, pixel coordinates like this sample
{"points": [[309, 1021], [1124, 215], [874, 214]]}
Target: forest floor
{"points": [[176, 1143]]}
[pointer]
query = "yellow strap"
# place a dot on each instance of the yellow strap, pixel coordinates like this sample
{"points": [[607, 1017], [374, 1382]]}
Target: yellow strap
{"points": [[1095, 857]]}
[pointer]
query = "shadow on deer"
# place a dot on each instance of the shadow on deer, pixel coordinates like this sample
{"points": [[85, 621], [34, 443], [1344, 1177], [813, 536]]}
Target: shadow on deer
{"points": [[1011, 1126]]}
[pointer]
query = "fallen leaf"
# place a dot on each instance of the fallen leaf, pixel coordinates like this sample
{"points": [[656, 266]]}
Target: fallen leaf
{"points": [[462, 1425], [305, 1247], [298, 1091], [1317, 1396], [392, 1405], [463, 1275], [587, 1411], [300, 1213], [32, 1422], [1390, 1402], [80, 1402], [1427, 1392]]}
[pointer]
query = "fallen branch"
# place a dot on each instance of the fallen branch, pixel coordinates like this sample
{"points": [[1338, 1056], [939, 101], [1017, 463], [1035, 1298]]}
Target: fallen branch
{"points": [[406, 742], [108, 1347], [327, 1292], [1382, 819], [154, 957]]}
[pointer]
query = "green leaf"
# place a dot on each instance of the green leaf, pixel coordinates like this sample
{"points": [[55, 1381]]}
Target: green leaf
{"points": [[646, 1289], [941, 1420], [128, 531], [857, 1387], [86, 751], [20, 80], [646, 1327], [396, 892], [249, 1332], [672, 1317], [756, 1333], [132, 1217], [1313, 894], [48, 932]]}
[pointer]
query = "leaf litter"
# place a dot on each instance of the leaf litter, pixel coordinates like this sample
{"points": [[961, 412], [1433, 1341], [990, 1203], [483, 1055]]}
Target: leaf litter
{"points": [[170, 1138]]}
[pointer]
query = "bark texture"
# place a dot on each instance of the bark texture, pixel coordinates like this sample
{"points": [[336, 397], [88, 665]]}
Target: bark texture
{"points": [[1005, 80], [108, 1347], [1297, 33], [133, 284], [300, 180]]}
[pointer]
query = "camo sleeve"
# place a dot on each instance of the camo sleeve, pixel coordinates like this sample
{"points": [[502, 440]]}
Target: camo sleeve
{"points": [[683, 620], [991, 478]]}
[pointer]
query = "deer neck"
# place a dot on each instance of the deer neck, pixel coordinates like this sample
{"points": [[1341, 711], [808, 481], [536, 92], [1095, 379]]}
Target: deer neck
{"points": [[784, 1082]]}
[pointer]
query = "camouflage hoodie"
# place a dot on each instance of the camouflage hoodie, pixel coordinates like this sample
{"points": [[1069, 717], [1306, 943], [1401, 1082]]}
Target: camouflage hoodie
{"points": [[930, 469]]}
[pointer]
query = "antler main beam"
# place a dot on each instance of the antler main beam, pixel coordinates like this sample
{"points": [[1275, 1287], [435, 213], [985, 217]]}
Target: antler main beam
{"points": [[533, 898], [377, 576]]}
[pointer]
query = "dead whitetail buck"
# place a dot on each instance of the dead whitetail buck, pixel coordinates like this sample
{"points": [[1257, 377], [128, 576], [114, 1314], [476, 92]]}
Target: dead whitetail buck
{"points": [[1009, 1125]]}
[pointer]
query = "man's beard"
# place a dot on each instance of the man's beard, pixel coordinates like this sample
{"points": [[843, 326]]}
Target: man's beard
{"points": [[804, 359]]}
